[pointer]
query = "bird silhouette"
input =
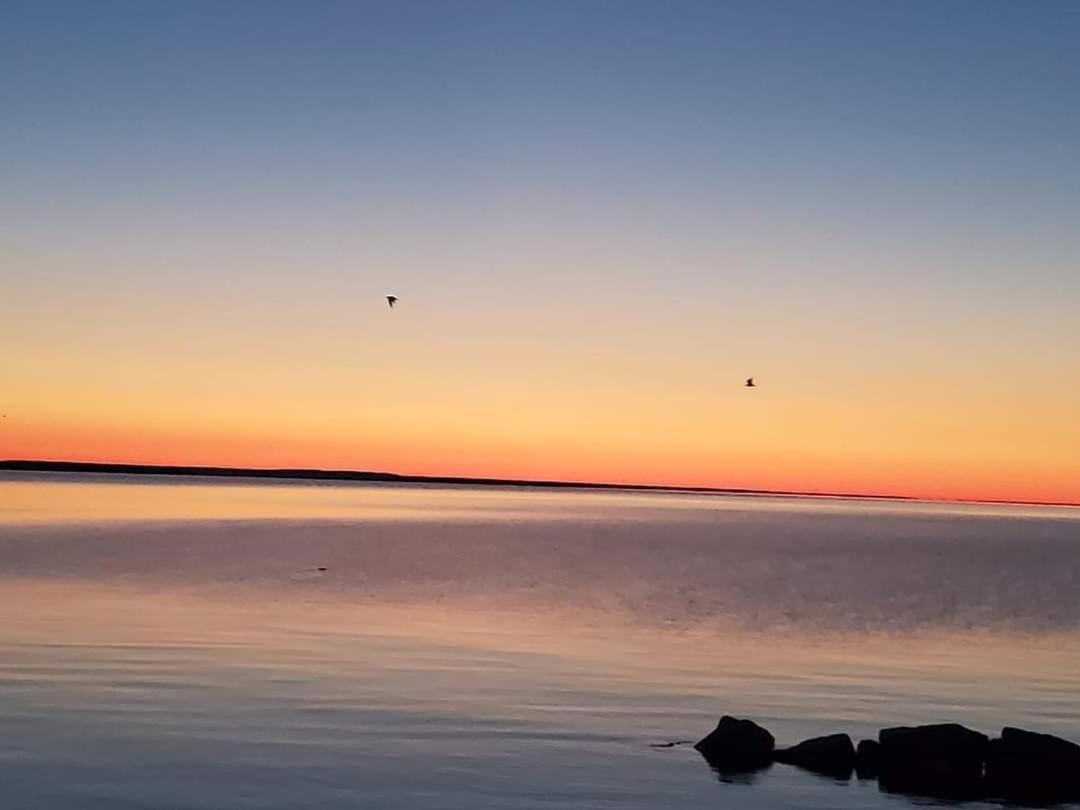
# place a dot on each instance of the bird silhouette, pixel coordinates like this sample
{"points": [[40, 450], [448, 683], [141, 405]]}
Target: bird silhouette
{"points": [[750, 382], [391, 300]]}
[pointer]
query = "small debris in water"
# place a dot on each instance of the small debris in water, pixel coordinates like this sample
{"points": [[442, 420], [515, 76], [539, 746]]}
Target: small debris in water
{"points": [[671, 744]]}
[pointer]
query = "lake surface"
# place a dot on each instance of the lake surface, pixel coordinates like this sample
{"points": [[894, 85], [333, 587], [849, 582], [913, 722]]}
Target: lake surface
{"points": [[169, 643]]}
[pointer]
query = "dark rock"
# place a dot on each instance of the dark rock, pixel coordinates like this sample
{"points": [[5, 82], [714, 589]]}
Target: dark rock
{"points": [[737, 745], [833, 755], [944, 760], [1023, 766], [867, 759]]}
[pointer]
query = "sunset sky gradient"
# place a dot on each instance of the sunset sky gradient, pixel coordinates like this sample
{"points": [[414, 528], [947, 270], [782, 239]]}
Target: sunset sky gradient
{"points": [[600, 218]]}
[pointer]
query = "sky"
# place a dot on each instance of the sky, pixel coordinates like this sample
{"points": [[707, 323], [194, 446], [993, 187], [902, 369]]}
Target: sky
{"points": [[599, 217]]}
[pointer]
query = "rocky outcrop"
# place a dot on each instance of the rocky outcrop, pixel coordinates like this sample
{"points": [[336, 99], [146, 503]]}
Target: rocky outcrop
{"points": [[867, 759], [1023, 766], [833, 755], [737, 745], [943, 760]]}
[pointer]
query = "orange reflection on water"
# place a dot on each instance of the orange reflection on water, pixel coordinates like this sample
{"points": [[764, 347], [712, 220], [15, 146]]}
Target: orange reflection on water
{"points": [[60, 498]]}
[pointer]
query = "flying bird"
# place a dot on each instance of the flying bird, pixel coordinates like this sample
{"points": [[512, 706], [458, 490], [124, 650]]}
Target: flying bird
{"points": [[750, 382], [391, 300]]}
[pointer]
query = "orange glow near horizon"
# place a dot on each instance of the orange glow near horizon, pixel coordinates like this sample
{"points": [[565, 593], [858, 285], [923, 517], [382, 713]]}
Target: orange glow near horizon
{"points": [[898, 394], [610, 458], [626, 406], [894, 392], [535, 386]]}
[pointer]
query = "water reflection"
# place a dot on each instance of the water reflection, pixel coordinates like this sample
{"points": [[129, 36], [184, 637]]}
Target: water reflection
{"points": [[59, 497], [172, 646], [739, 776]]}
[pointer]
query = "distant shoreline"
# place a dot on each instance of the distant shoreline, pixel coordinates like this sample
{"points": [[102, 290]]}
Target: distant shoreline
{"points": [[373, 476]]}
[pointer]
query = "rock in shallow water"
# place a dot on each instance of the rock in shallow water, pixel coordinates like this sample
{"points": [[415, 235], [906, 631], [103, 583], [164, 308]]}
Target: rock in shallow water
{"points": [[867, 759], [1024, 766], [737, 745], [943, 760], [833, 755]]}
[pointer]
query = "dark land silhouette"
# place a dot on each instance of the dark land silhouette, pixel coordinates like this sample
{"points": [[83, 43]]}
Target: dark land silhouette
{"points": [[377, 476], [32, 465]]}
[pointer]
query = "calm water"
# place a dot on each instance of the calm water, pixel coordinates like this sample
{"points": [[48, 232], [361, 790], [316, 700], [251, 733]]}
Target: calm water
{"points": [[169, 643]]}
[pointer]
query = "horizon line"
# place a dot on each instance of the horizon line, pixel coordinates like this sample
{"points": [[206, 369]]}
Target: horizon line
{"points": [[376, 476]]}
